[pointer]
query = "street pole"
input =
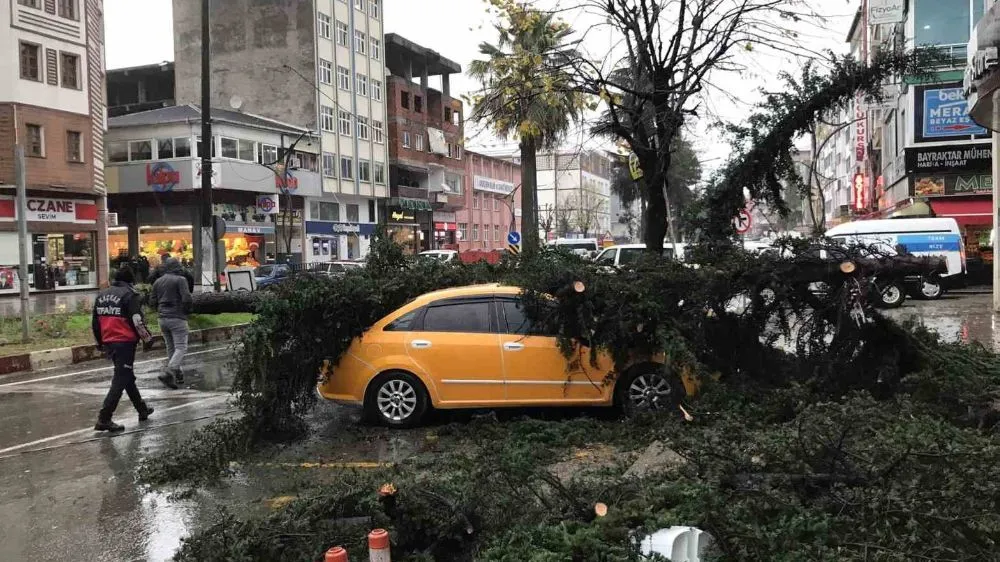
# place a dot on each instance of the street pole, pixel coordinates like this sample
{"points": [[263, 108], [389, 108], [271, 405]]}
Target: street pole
{"points": [[996, 202], [209, 237], [22, 234]]}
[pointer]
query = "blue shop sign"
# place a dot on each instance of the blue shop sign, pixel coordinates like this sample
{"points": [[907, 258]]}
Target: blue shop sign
{"points": [[338, 228], [946, 114]]}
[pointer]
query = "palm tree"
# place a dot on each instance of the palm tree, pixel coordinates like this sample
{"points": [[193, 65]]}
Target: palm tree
{"points": [[526, 94]]}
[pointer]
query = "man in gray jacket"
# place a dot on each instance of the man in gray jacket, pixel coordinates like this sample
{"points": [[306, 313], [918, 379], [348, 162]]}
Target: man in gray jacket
{"points": [[172, 299]]}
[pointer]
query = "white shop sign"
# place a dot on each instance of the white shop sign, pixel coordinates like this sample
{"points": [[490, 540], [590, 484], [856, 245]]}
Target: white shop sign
{"points": [[491, 185], [43, 209]]}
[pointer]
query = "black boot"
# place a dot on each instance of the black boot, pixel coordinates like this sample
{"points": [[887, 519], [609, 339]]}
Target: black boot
{"points": [[179, 376], [145, 412], [108, 426], [168, 380]]}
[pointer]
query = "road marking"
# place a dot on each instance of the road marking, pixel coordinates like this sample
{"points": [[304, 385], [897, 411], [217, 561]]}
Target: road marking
{"points": [[91, 430], [99, 369]]}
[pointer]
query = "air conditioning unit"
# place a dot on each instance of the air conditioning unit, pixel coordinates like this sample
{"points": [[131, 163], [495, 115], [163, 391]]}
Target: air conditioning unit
{"points": [[112, 219]]}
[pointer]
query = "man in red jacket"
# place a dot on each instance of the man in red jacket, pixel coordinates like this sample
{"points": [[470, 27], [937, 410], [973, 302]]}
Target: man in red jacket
{"points": [[118, 326]]}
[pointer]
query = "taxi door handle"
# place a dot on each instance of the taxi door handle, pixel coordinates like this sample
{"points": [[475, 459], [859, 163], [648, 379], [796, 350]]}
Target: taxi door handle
{"points": [[513, 346], [420, 344]]}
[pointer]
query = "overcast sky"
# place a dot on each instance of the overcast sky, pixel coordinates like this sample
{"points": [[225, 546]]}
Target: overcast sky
{"points": [[139, 32]]}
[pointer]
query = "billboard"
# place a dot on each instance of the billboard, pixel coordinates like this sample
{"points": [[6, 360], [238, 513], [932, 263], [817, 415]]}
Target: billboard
{"points": [[943, 114]]}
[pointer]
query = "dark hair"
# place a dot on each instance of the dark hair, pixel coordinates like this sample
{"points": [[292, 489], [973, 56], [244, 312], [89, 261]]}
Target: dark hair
{"points": [[125, 275]]}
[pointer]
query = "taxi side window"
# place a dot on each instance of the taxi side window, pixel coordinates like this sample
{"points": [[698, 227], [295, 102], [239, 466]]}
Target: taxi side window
{"points": [[517, 320], [404, 323], [464, 317]]}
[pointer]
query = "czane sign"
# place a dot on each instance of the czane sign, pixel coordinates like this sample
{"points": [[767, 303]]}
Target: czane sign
{"points": [[43, 209]]}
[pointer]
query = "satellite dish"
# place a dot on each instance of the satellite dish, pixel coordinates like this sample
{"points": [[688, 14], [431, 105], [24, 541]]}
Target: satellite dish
{"points": [[236, 103]]}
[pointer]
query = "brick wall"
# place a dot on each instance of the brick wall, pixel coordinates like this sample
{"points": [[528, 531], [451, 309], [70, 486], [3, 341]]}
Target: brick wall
{"points": [[53, 169], [431, 115]]}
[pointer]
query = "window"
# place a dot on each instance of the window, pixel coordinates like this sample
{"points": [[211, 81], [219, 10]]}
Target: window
{"points": [[325, 211], [36, 4], [344, 78], [496, 203], [359, 4], [463, 229], [268, 153], [453, 182], [454, 151], [608, 257], [456, 117], [362, 84], [376, 49], [70, 70], [247, 150], [364, 133], [475, 200], [325, 72], [360, 41], [418, 104], [475, 233], [329, 165], [404, 100], [36, 141], [517, 321], [140, 150], [468, 317], [326, 118], [182, 147], [377, 90], [496, 233], [67, 9], [346, 168], [324, 25], [406, 139], [377, 134], [486, 235], [74, 146], [345, 122], [364, 174], [402, 324], [371, 207], [230, 148], [418, 142], [380, 173], [198, 146], [117, 152], [343, 33], [30, 62], [942, 23], [352, 212], [164, 148], [373, 8]]}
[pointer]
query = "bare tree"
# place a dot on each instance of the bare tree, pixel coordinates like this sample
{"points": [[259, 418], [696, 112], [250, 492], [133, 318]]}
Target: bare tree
{"points": [[584, 212]]}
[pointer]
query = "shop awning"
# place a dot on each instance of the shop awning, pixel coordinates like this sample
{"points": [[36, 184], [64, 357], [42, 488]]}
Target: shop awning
{"points": [[967, 212]]}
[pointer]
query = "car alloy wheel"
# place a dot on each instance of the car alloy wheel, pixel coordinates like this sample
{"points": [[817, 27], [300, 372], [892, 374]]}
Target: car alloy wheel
{"points": [[892, 295], [650, 392], [930, 289], [397, 400]]}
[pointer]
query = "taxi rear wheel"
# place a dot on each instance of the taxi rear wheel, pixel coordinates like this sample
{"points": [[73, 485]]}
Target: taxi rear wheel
{"points": [[649, 388], [396, 399]]}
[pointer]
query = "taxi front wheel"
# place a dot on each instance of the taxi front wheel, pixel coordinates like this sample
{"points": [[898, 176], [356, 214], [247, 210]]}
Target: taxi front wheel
{"points": [[396, 399], [649, 388]]}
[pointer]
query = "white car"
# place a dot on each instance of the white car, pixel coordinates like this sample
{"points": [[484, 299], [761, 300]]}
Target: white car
{"points": [[440, 255], [580, 246], [626, 254]]}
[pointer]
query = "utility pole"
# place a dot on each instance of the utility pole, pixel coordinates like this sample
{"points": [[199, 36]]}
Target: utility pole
{"points": [[208, 234], [21, 179]]}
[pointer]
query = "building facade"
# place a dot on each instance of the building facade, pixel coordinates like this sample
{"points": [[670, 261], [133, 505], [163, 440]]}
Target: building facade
{"points": [[319, 65], [574, 189], [154, 187], [52, 104], [426, 167], [492, 203], [141, 88]]}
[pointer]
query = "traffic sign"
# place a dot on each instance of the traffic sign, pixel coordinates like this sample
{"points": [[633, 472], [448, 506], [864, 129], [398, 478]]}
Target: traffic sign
{"points": [[514, 238], [742, 222], [514, 249]]}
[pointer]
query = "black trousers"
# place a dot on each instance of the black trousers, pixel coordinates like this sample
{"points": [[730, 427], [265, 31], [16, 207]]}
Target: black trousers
{"points": [[123, 355]]}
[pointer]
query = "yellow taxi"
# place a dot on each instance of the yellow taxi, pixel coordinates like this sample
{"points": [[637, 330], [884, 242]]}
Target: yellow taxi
{"points": [[473, 347]]}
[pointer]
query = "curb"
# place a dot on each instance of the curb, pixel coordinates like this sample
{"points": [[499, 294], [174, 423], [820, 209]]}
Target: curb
{"points": [[66, 356]]}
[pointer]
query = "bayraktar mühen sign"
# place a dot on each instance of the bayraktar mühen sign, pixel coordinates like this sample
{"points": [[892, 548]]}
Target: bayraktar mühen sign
{"points": [[950, 170]]}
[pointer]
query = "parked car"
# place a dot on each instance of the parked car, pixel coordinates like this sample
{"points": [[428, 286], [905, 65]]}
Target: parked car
{"points": [[473, 347], [938, 237], [334, 268], [440, 255], [625, 254], [585, 247], [271, 274]]}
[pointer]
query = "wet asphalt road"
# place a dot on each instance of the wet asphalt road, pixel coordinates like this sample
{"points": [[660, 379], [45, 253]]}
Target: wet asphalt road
{"points": [[66, 490]]}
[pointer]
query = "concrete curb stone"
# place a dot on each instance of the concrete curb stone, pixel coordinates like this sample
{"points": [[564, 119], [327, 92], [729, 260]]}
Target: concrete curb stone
{"points": [[66, 356]]}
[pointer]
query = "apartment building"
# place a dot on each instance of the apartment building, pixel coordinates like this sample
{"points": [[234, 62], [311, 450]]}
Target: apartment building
{"points": [[315, 64], [492, 203], [52, 104]]}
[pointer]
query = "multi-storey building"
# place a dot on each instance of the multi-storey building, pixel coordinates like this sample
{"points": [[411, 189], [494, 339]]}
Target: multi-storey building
{"points": [[316, 64], [140, 88], [492, 203], [426, 169], [52, 104]]}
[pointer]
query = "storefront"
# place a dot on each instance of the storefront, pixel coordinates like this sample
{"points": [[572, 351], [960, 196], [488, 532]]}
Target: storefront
{"points": [[62, 244], [445, 231], [336, 241], [403, 229]]}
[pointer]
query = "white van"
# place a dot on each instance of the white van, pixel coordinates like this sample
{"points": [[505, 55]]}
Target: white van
{"points": [[626, 254], [581, 246], [920, 237]]}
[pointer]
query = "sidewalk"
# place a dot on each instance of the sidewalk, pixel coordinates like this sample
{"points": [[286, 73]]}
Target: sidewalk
{"points": [[47, 303]]}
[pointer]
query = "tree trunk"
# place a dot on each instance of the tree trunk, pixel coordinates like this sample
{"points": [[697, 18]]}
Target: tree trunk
{"points": [[655, 217], [529, 196]]}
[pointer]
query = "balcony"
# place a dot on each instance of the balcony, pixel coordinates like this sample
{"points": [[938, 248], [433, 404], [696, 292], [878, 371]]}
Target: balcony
{"points": [[951, 57]]}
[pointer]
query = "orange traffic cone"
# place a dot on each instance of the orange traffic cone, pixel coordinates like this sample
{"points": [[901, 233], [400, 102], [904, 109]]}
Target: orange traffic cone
{"points": [[378, 546], [336, 554]]}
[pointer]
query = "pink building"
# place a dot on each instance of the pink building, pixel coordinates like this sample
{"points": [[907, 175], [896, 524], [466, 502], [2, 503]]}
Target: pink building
{"points": [[492, 203]]}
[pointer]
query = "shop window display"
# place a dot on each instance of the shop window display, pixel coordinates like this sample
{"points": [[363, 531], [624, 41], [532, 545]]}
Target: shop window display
{"points": [[62, 260], [156, 242]]}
